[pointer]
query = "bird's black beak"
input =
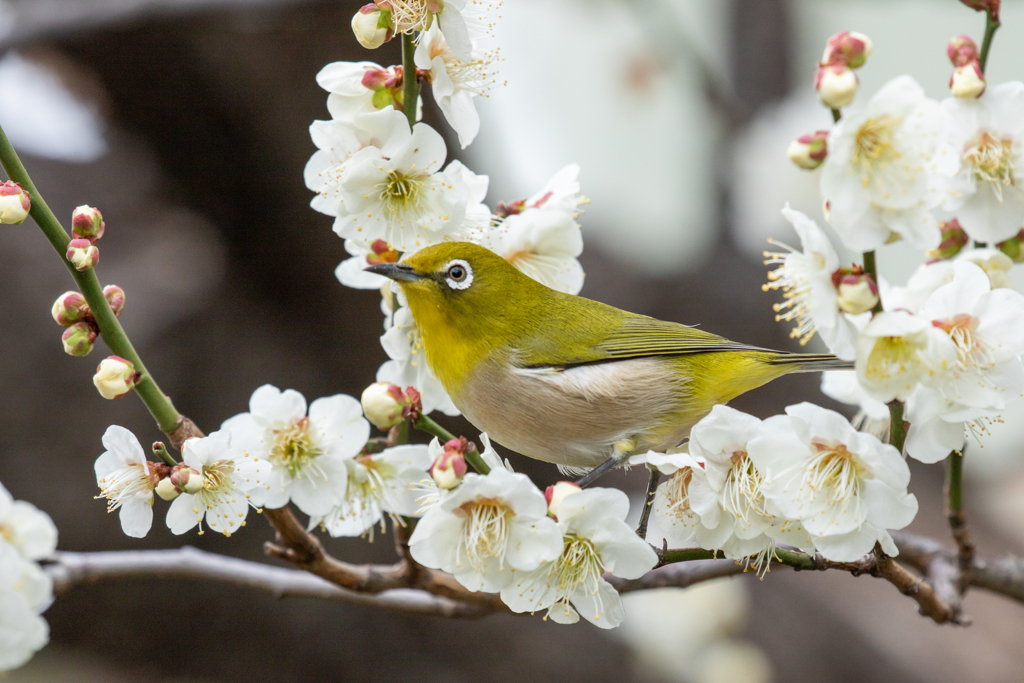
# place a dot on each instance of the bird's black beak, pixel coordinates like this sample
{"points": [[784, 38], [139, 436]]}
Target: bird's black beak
{"points": [[399, 272]]}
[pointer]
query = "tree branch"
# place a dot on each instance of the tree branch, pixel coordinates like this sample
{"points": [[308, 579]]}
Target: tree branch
{"points": [[70, 570]]}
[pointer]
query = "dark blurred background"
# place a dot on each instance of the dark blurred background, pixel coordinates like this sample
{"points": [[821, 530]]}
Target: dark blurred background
{"points": [[185, 122]]}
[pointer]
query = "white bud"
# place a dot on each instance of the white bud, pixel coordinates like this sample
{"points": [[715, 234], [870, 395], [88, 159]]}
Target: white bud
{"points": [[166, 489], [14, 203], [114, 377], [967, 81], [557, 493], [837, 85], [383, 403], [366, 26], [857, 297]]}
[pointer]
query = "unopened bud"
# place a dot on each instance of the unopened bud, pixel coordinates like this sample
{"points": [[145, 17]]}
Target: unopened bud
{"points": [[14, 203], [857, 291], [381, 253], [989, 6], [115, 297], [87, 223], [836, 85], [954, 238], [967, 81], [450, 465], [70, 308], [186, 479], [849, 48], [1014, 247], [383, 403], [415, 408], [167, 490], [554, 495], [79, 339], [962, 50], [83, 254], [809, 151], [115, 377], [372, 27], [511, 208]]}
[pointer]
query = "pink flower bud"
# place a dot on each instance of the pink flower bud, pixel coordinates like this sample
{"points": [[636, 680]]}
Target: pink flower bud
{"points": [[115, 297], [967, 81], [70, 308], [849, 48], [87, 223], [82, 254], [186, 479], [115, 377], [375, 79], [415, 407], [14, 203], [809, 151], [954, 238], [382, 253], [510, 208], [989, 6], [372, 27], [1014, 247], [836, 85], [554, 495], [962, 50], [383, 404], [450, 466], [79, 339], [856, 290]]}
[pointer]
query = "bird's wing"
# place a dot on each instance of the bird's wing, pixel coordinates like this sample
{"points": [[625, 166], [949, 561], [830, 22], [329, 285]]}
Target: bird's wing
{"points": [[605, 334]]}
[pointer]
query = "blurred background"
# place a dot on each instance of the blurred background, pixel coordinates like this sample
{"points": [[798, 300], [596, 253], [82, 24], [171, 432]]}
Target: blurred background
{"points": [[185, 122]]}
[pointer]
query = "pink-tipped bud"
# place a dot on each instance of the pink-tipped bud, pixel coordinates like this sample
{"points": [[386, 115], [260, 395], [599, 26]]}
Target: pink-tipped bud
{"points": [[115, 377], [82, 254], [989, 6], [809, 151], [115, 297], [967, 81], [554, 495], [415, 407], [954, 238], [383, 404], [375, 79], [381, 253], [511, 208], [856, 290], [186, 479], [1013, 247], [849, 48], [167, 490], [836, 85], [87, 223], [450, 465], [962, 50], [79, 339], [70, 308], [14, 203], [372, 27]]}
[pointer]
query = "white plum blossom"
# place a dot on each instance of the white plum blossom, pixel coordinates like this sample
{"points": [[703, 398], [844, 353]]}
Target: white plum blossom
{"points": [[878, 177], [986, 328], [987, 140], [232, 481], [126, 479], [806, 280], [455, 81], [389, 482], [309, 455], [408, 365], [26, 528], [404, 199], [842, 386], [845, 487], [671, 505], [487, 530], [897, 350], [25, 592], [595, 540]]}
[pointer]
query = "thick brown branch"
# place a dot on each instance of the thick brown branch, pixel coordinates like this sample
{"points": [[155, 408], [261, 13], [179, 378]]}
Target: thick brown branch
{"points": [[69, 570]]}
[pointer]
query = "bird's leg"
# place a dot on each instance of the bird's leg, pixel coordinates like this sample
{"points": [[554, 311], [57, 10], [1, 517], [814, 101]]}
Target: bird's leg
{"points": [[620, 452], [645, 513]]}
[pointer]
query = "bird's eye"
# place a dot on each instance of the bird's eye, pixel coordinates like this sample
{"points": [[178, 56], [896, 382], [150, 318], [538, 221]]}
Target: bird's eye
{"points": [[458, 274]]}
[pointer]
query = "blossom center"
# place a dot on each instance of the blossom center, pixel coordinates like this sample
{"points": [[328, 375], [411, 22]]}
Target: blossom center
{"points": [[991, 160], [293, 446], [891, 356], [485, 531], [217, 477], [741, 494], [401, 191], [579, 566], [410, 15], [973, 355], [873, 145], [793, 277], [124, 484], [6, 531], [835, 469]]}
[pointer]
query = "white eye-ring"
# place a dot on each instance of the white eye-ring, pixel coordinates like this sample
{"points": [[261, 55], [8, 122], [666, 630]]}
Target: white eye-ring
{"points": [[458, 274]]}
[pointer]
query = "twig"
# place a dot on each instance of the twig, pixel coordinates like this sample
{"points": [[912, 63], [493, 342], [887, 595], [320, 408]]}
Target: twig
{"points": [[645, 513], [70, 570], [958, 519]]}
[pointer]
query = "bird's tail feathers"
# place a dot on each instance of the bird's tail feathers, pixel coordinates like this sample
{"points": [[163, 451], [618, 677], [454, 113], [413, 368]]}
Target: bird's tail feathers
{"points": [[812, 362]]}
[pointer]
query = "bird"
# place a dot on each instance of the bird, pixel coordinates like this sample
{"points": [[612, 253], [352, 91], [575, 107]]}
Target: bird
{"points": [[565, 379]]}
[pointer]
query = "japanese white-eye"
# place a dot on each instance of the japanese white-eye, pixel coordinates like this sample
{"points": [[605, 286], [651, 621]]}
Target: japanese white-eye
{"points": [[564, 379]]}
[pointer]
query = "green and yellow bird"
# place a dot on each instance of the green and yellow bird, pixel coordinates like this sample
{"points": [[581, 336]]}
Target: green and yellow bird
{"points": [[564, 379]]}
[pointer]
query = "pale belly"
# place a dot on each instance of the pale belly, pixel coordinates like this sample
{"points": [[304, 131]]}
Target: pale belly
{"points": [[575, 417]]}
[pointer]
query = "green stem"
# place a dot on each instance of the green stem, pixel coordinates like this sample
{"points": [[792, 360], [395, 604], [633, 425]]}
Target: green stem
{"points": [[795, 559], [871, 268], [410, 82], [897, 429], [473, 457], [113, 334], [836, 115], [986, 43], [402, 437], [954, 483]]}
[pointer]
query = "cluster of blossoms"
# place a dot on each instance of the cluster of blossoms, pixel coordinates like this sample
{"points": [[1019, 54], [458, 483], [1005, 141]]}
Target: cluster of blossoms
{"points": [[806, 479], [27, 535], [388, 187], [939, 175]]}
